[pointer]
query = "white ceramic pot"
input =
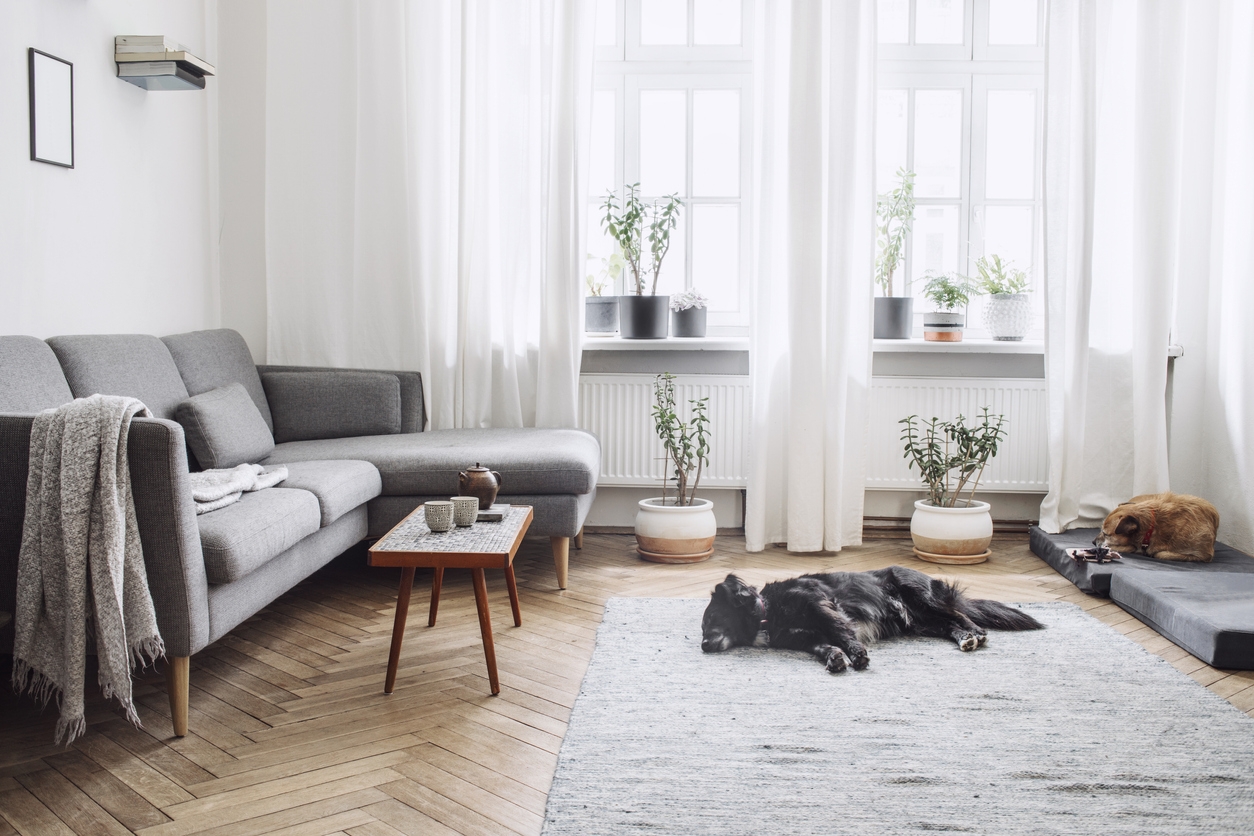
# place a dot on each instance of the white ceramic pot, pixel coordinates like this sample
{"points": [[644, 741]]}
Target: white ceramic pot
{"points": [[675, 533], [1008, 315], [952, 535], [943, 326]]}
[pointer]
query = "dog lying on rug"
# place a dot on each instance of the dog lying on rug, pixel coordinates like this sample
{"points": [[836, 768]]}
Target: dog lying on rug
{"points": [[834, 615], [1168, 526]]}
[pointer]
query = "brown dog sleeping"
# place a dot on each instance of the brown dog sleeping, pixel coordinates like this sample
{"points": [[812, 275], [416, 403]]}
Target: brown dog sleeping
{"points": [[1168, 526]]}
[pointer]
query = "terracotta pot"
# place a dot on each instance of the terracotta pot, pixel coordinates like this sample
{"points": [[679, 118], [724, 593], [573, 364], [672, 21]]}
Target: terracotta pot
{"points": [[675, 533], [951, 535], [481, 482], [943, 326]]}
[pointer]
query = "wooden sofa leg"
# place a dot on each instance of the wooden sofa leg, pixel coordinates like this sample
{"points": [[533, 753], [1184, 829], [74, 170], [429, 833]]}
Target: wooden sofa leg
{"points": [[561, 558], [177, 684], [579, 540]]}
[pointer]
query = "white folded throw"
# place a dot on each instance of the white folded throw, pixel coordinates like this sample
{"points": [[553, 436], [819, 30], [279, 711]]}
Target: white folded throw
{"points": [[214, 489]]}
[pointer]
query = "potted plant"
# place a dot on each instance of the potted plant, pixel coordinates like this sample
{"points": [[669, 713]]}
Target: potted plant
{"points": [[1008, 313], [948, 292], [601, 311], [688, 314], [678, 528], [643, 234], [894, 214], [949, 527]]}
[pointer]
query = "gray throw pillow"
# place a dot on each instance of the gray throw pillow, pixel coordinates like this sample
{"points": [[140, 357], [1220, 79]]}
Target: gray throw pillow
{"points": [[224, 428]]}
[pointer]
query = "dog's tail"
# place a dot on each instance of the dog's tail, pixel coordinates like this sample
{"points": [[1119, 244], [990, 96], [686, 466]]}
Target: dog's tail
{"points": [[998, 616]]}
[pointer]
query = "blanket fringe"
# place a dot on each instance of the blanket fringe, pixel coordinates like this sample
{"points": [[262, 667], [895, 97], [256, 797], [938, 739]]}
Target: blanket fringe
{"points": [[70, 729], [28, 680], [147, 651]]}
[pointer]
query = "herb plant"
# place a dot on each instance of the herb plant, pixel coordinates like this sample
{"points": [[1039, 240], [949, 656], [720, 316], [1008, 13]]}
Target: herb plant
{"points": [[999, 277], [687, 444], [894, 214], [611, 267], [950, 452], [949, 290], [627, 224]]}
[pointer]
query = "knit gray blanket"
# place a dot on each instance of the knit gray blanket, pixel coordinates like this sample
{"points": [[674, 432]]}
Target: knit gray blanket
{"points": [[81, 569]]}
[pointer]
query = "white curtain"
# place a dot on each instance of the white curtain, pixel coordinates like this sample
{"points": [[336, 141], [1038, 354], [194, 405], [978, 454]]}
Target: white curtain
{"points": [[425, 177], [814, 248], [1143, 221]]}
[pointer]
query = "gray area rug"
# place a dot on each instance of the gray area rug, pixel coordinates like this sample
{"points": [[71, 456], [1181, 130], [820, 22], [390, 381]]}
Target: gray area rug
{"points": [[1072, 729]]}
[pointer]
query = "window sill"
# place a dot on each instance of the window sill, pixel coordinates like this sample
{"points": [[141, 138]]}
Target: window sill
{"points": [[967, 346], [616, 343]]}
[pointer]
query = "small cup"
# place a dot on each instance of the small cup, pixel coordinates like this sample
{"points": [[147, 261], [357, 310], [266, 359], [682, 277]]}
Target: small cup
{"points": [[465, 510], [439, 514]]}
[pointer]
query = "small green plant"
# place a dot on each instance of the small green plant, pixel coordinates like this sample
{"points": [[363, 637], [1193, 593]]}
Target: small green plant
{"points": [[950, 452], [687, 444], [949, 290], [894, 214], [626, 225], [611, 267], [998, 277]]}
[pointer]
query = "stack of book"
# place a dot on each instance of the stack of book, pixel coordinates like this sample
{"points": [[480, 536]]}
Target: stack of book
{"points": [[156, 62]]}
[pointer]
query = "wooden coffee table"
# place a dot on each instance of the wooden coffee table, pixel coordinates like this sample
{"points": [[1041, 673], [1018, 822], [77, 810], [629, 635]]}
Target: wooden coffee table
{"points": [[484, 545]]}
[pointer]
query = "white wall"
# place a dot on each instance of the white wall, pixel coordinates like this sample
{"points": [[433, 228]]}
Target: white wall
{"points": [[121, 242]]}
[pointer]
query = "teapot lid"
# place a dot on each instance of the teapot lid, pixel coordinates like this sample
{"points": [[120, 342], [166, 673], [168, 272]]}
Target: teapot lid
{"points": [[478, 467]]}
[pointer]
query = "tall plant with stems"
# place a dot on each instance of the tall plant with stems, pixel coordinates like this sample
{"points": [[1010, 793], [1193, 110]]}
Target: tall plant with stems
{"points": [[950, 452], [687, 443], [894, 215], [641, 230]]}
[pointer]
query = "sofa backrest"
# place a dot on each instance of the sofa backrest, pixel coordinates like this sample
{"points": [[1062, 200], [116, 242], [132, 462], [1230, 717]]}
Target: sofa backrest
{"points": [[31, 379], [209, 360], [134, 365]]}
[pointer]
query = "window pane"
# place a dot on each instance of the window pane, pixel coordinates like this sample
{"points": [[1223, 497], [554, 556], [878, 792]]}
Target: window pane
{"points": [[716, 143], [600, 245], [601, 177], [1012, 22], [607, 22], [663, 142], [938, 22], [1011, 150], [663, 22], [673, 265], [716, 255], [893, 21], [938, 143], [890, 138], [1008, 233], [935, 244], [715, 22]]}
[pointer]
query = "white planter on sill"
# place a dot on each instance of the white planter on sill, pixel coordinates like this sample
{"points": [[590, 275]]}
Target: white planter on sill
{"points": [[961, 534], [675, 533]]}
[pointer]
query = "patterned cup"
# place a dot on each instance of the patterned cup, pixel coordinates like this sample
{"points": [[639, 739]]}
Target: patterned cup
{"points": [[439, 513], [465, 510]]}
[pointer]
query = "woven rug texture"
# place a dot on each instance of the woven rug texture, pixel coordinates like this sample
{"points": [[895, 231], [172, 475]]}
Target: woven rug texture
{"points": [[1073, 729]]}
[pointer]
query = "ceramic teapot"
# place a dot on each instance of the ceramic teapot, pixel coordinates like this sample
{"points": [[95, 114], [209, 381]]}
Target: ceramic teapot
{"points": [[481, 482]]}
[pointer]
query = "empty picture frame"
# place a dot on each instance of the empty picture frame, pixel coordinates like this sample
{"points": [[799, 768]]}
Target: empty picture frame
{"points": [[51, 109]]}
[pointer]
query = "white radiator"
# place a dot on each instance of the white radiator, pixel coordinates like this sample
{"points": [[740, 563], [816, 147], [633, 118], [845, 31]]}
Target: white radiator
{"points": [[1021, 464], [618, 409]]}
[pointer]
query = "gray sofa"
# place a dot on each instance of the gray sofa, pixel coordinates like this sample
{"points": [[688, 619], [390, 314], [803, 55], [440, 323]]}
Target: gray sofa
{"points": [[354, 443]]}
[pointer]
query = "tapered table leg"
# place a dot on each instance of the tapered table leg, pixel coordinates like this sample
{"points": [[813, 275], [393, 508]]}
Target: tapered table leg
{"points": [[513, 594], [398, 626], [436, 583], [485, 627]]}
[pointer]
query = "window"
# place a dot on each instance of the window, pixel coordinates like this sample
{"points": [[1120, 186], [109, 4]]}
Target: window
{"points": [[961, 104], [672, 111]]}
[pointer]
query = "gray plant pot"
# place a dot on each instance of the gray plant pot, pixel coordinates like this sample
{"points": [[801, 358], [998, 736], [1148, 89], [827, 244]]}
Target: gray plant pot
{"points": [[643, 317], [894, 317], [601, 314], [943, 326], [688, 323]]}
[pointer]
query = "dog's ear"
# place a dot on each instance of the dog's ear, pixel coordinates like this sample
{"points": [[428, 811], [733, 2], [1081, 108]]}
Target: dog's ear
{"points": [[1128, 526]]}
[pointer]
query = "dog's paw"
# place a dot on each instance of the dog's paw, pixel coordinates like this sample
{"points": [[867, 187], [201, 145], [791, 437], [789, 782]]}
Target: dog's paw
{"points": [[859, 658], [981, 639], [968, 642], [837, 661]]}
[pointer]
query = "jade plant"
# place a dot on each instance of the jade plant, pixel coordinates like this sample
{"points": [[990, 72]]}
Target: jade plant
{"points": [[894, 214], [642, 232], [950, 453], [687, 443]]}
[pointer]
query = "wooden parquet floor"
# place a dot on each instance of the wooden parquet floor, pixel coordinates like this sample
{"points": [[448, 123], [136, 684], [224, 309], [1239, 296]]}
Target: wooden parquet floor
{"points": [[291, 733]]}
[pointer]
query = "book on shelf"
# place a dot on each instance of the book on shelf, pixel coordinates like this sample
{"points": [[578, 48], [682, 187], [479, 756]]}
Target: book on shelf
{"points": [[190, 62], [146, 43], [161, 75]]}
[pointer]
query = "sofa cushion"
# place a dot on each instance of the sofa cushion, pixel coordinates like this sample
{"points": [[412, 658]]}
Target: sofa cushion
{"points": [[332, 404], [212, 359], [134, 365], [1209, 614], [31, 379], [340, 486], [239, 538], [530, 460], [224, 428]]}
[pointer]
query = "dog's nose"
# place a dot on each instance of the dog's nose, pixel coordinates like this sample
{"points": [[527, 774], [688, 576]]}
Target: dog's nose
{"points": [[705, 645], [1094, 541]]}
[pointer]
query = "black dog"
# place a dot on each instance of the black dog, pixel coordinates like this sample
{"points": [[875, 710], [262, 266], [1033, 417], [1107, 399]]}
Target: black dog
{"points": [[834, 615]]}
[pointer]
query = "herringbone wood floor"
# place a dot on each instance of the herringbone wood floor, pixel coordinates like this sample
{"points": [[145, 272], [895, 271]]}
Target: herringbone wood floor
{"points": [[291, 734]]}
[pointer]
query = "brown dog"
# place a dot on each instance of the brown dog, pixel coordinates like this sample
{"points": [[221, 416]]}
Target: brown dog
{"points": [[1168, 526]]}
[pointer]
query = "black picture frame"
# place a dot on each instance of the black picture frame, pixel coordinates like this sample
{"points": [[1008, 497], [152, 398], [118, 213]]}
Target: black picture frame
{"points": [[52, 138]]}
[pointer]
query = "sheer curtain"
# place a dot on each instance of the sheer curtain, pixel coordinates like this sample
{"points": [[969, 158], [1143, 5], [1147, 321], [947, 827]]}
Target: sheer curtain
{"points": [[425, 178], [1148, 227], [814, 245]]}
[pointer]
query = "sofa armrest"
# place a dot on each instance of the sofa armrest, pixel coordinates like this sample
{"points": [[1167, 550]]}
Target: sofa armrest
{"points": [[169, 534], [413, 404]]}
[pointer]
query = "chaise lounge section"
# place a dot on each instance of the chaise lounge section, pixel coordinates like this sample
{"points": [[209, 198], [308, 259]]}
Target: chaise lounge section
{"points": [[354, 442]]}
